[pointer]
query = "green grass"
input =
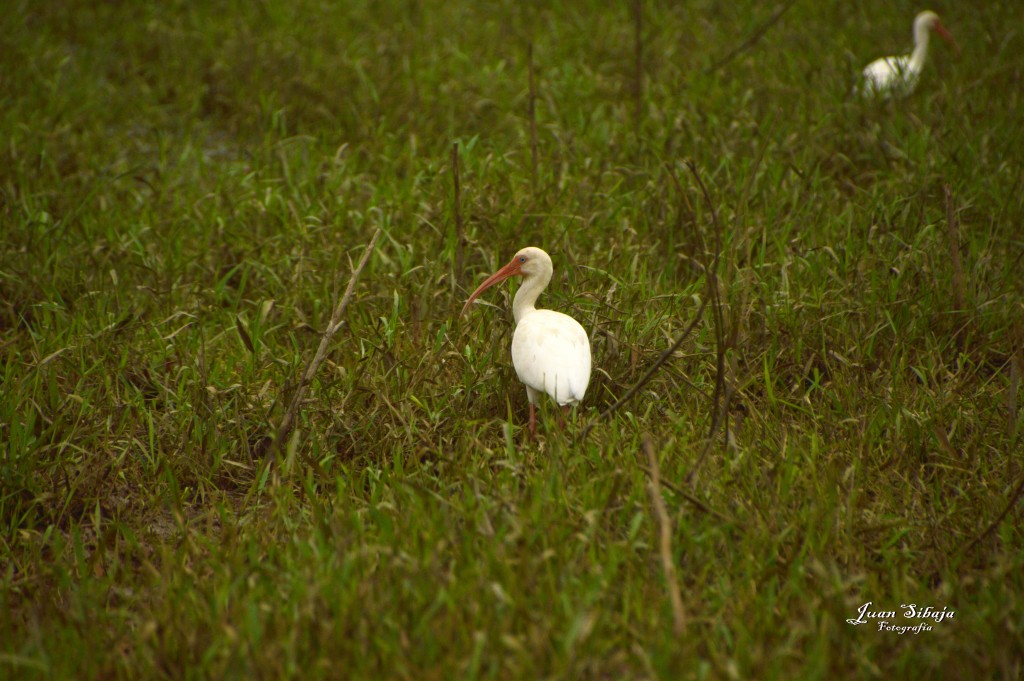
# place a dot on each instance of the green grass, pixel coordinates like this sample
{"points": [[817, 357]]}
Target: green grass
{"points": [[184, 188]]}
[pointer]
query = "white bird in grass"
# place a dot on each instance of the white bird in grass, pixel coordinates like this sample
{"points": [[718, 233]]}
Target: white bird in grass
{"points": [[550, 350], [898, 75]]}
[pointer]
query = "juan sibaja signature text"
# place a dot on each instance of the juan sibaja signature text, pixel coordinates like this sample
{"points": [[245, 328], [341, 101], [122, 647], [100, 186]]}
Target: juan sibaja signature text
{"points": [[887, 619]]}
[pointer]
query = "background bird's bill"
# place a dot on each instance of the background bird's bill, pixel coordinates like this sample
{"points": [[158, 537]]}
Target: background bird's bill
{"points": [[947, 36]]}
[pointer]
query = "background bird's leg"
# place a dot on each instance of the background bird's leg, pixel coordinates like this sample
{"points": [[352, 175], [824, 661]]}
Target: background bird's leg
{"points": [[563, 415]]}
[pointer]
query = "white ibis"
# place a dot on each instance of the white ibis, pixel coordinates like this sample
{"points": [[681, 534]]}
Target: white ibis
{"points": [[898, 75], [550, 350]]}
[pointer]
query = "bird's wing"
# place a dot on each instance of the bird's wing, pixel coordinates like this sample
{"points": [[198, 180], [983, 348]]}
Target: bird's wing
{"points": [[885, 74], [551, 354]]}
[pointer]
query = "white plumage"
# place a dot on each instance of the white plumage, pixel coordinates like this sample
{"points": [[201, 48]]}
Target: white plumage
{"points": [[899, 75], [551, 354], [888, 75], [550, 350]]}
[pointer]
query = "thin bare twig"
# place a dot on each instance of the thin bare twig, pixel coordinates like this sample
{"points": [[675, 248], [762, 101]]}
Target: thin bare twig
{"points": [[651, 371], [695, 502], [953, 225], [752, 40], [533, 120], [1014, 497], [638, 66], [1016, 369], [460, 237], [959, 295], [288, 422], [712, 296], [721, 394], [1016, 372], [668, 565]]}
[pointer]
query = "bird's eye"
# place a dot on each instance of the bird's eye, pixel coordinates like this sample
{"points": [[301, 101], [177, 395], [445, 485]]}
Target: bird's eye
{"points": [[522, 258]]}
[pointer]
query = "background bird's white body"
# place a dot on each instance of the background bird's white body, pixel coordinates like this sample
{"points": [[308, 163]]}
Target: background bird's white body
{"points": [[890, 76], [551, 354]]}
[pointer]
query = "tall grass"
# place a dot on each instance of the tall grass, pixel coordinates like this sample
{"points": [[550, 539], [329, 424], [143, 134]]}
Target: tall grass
{"points": [[185, 189]]}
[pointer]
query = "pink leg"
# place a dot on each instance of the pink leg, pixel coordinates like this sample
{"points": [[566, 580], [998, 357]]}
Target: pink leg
{"points": [[533, 420]]}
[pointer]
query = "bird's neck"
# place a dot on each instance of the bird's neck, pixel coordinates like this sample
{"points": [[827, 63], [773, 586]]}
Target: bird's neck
{"points": [[526, 297], [920, 52]]}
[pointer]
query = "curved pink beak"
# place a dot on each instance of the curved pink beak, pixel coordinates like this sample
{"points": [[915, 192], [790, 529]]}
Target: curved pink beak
{"points": [[947, 36], [509, 270]]}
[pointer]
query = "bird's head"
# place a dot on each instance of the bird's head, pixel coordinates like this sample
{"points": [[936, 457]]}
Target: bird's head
{"points": [[929, 21], [528, 262]]}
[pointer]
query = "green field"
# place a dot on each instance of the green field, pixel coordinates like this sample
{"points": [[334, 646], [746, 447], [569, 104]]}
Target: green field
{"points": [[186, 187]]}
